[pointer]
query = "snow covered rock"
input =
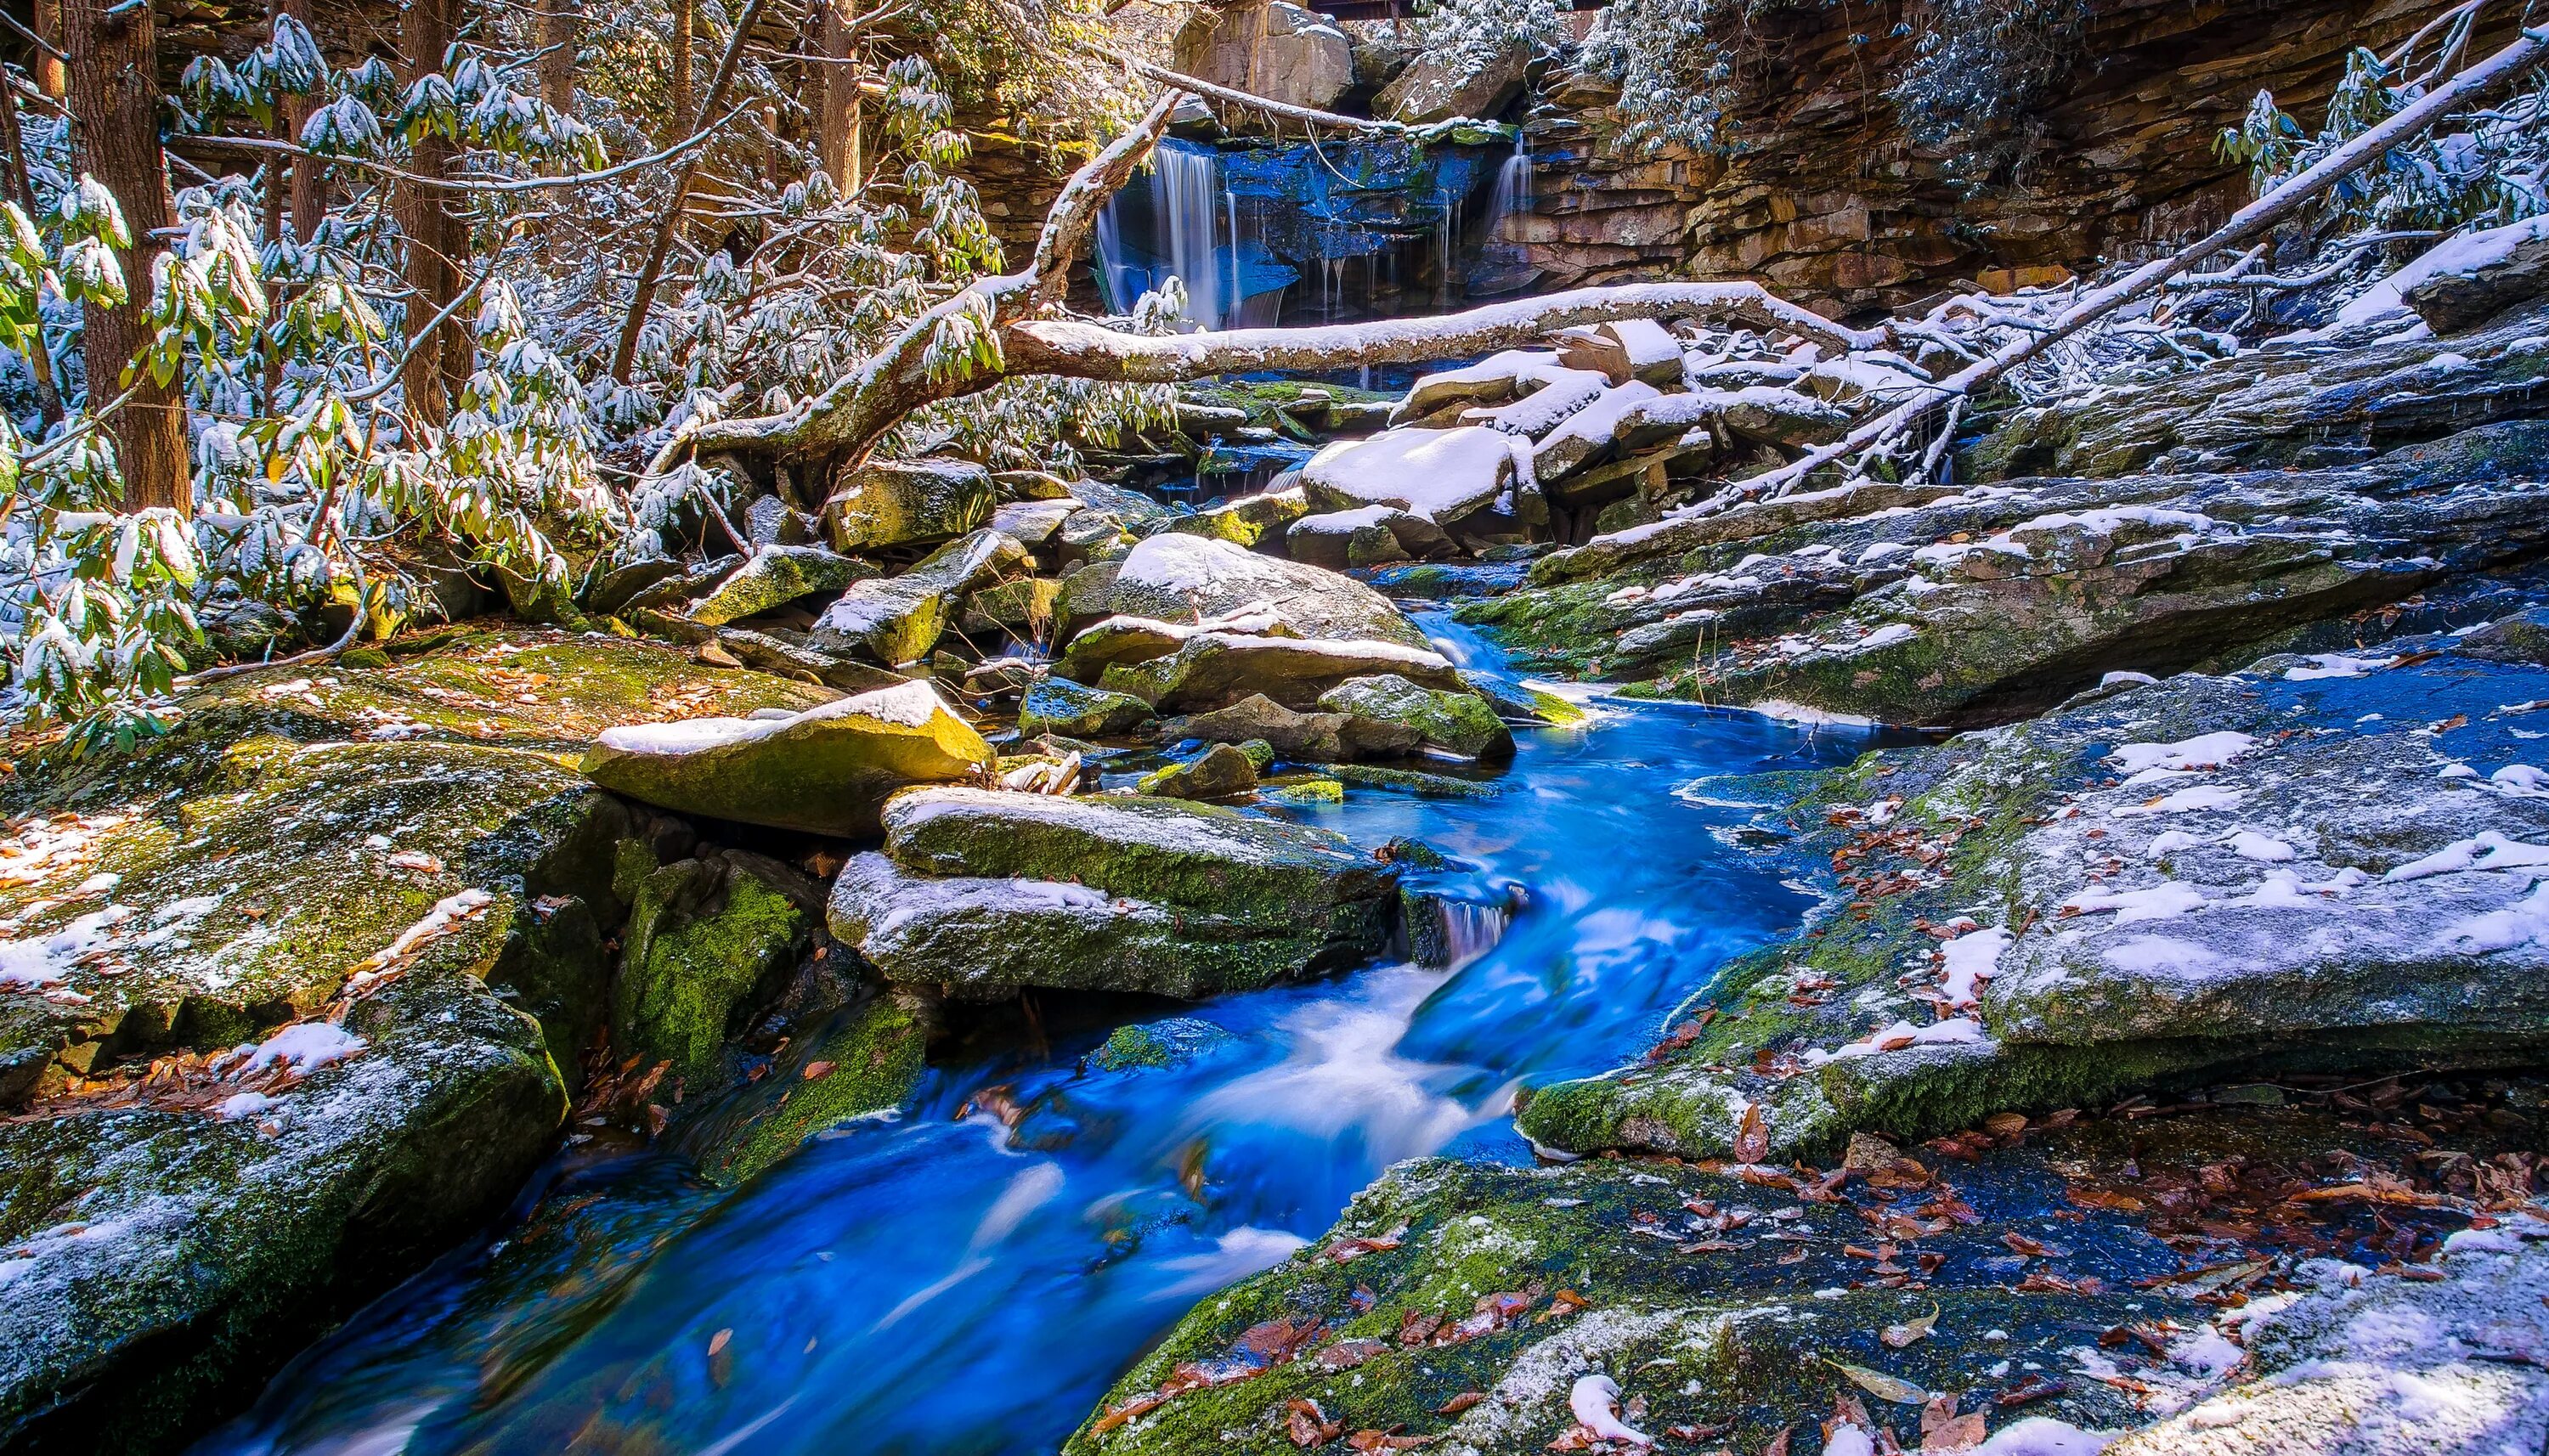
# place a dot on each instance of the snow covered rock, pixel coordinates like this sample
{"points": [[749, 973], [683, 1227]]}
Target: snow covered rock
{"points": [[774, 577], [1443, 85], [1459, 723], [826, 769], [2365, 1363], [898, 619], [1368, 535], [906, 502], [2188, 877], [1442, 474], [1181, 579], [991, 892], [2466, 280]]}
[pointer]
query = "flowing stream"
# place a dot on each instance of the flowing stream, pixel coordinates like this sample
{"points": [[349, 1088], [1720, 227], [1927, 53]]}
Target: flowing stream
{"points": [[924, 1281]]}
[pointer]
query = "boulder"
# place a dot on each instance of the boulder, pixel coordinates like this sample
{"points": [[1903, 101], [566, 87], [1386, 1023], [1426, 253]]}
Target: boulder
{"points": [[774, 577], [672, 590], [1018, 610], [1248, 520], [988, 891], [1302, 738], [1589, 434], [825, 770], [771, 521], [1457, 722], [703, 933], [1442, 474], [1180, 579], [611, 589], [1034, 523], [1057, 705], [2462, 282], [1441, 84], [906, 502], [900, 619], [1214, 669], [1219, 772], [1371, 535], [1277, 51], [1126, 640], [386, 884]]}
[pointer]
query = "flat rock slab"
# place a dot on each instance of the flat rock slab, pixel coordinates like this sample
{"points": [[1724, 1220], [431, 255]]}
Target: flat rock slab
{"points": [[2313, 866], [1214, 669], [825, 770]]}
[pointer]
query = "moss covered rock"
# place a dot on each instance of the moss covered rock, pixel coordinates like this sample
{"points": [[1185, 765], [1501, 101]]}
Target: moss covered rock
{"points": [[1221, 772], [990, 891], [703, 935], [389, 882], [1246, 520], [825, 771], [1304, 737], [1214, 669], [901, 618], [1460, 722], [774, 577], [906, 502], [1057, 705]]}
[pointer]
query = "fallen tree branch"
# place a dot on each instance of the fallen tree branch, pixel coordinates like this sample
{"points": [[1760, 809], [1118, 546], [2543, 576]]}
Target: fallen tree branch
{"points": [[1178, 81], [2481, 80]]}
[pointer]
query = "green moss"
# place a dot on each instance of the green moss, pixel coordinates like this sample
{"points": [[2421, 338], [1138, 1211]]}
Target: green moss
{"points": [[869, 1059], [701, 937]]}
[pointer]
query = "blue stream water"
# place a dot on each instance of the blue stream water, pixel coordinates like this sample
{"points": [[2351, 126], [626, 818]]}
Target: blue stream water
{"points": [[919, 1281]]}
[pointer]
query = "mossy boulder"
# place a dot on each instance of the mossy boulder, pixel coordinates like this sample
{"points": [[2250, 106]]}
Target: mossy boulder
{"points": [[989, 891], [774, 577], [1057, 705], [1220, 772], [862, 1061], [1177, 1040], [904, 502], [392, 875], [1459, 723], [704, 936], [901, 618], [1246, 520], [1303, 738], [825, 770]]}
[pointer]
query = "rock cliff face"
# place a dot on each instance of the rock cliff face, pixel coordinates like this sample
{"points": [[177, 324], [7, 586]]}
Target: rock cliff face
{"points": [[1829, 202]]}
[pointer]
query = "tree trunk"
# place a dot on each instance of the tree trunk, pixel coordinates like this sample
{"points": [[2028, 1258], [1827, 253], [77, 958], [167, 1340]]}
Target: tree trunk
{"points": [[309, 201], [21, 190], [839, 115], [685, 26], [49, 72], [114, 93], [561, 22], [437, 238]]}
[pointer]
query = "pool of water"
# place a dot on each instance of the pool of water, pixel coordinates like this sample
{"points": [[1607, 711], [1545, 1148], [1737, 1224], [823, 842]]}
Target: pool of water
{"points": [[942, 1279]]}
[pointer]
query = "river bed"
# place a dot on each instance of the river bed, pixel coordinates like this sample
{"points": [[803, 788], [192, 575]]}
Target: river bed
{"points": [[969, 1273]]}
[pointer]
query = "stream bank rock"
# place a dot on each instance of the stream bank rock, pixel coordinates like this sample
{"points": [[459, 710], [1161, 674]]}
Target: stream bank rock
{"points": [[985, 892], [825, 770], [384, 882], [2086, 1277], [1944, 605], [2322, 866]]}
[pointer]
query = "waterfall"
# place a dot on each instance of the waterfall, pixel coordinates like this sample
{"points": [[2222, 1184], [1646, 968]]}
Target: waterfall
{"points": [[1512, 196], [1186, 195]]}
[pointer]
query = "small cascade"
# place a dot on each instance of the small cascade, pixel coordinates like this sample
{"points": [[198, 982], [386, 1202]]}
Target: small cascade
{"points": [[1512, 197], [1450, 934], [1185, 193]]}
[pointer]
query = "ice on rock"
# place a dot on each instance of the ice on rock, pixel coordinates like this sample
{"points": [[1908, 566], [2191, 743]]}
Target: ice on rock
{"points": [[2209, 751]]}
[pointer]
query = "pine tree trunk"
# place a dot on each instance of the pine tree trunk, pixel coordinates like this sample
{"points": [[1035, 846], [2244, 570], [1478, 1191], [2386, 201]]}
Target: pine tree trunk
{"points": [[308, 202], [49, 72], [839, 114], [561, 22], [684, 37], [114, 93], [437, 238]]}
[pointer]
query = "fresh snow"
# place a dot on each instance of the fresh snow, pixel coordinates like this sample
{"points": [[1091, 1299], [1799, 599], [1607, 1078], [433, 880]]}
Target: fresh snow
{"points": [[2209, 751], [1971, 960], [1437, 474], [2189, 800], [1963, 1029], [2164, 901], [2489, 850], [306, 1047]]}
